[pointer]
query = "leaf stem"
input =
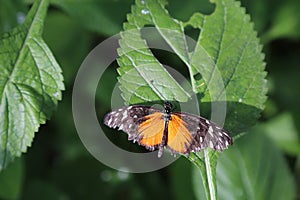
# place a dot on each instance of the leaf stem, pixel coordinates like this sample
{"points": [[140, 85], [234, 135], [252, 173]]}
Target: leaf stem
{"points": [[209, 176], [206, 165]]}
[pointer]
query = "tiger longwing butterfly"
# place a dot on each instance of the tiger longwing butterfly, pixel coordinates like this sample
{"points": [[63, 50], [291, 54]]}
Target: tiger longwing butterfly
{"points": [[180, 132]]}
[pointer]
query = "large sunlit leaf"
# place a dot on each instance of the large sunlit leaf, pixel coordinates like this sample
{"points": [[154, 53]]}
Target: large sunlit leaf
{"points": [[30, 84], [143, 77], [228, 56], [225, 66]]}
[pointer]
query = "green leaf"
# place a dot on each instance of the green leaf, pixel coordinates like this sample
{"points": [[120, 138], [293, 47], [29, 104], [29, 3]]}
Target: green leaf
{"points": [[275, 18], [198, 184], [254, 169], [285, 22], [30, 84], [143, 78], [206, 165], [225, 67], [228, 57], [284, 133], [11, 180], [262, 12]]}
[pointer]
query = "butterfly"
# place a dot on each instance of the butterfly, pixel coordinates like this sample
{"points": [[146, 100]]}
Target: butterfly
{"points": [[180, 132]]}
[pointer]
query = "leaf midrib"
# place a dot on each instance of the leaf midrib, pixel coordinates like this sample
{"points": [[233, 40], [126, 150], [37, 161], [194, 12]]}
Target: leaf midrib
{"points": [[220, 45], [145, 78], [234, 71], [21, 52]]}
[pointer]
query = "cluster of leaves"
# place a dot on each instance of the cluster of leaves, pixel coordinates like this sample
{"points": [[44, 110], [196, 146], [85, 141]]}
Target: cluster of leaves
{"points": [[227, 54], [57, 166]]}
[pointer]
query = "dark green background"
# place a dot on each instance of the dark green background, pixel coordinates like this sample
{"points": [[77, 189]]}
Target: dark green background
{"points": [[57, 166]]}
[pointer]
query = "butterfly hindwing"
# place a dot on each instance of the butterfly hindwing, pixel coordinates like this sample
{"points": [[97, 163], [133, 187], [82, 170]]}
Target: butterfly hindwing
{"points": [[205, 133], [179, 137]]}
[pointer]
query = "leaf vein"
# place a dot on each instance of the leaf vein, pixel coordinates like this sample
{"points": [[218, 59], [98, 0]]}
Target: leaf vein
{"points": [[216, 59]]}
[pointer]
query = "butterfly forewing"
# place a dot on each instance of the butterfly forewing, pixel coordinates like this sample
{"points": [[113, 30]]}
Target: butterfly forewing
{"points": [[205, 133], [151, 130], [129, 119]]}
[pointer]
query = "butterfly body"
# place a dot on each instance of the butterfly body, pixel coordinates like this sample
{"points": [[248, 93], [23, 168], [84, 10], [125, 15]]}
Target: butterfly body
{"points": [[180, 132]]}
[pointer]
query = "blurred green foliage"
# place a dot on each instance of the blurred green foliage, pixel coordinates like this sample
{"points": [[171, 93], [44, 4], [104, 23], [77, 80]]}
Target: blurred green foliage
{"points": [[57, 166]]}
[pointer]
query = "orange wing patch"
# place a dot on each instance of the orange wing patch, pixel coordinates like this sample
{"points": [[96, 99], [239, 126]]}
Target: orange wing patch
{"points": [[152, 130], [179, 137]]}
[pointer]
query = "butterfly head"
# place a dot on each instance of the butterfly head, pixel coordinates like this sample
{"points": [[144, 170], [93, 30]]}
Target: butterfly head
{"points": [[168, 107]]}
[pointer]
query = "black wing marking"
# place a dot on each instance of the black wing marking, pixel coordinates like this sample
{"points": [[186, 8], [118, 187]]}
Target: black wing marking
{"points": [[128, 119], [206, 133]]}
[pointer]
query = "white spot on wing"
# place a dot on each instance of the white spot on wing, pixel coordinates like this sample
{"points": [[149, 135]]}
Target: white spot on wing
{"points": [[226, 143], [121, 127], [124, 115], [210, 131], [109, 122], [225, 134]]}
